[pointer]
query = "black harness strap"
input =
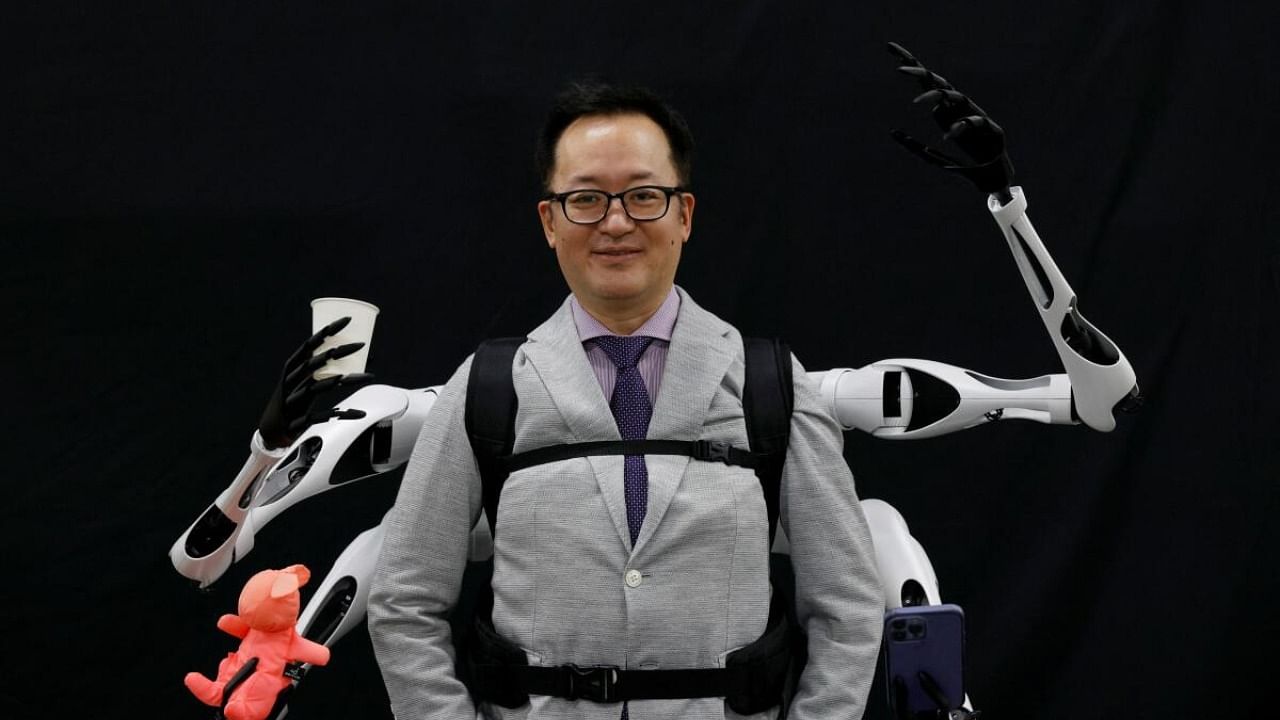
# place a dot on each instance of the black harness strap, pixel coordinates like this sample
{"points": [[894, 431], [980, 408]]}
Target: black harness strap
{"points": [[768, 397], [607, 683], [491, 416], [708, 450]]}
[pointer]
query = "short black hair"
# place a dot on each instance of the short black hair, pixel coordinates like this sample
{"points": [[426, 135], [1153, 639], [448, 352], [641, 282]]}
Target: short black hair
{"points": [[594, 96]]}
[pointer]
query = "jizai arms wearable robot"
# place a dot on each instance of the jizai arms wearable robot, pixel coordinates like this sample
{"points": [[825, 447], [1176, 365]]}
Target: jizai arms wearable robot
{"points": [[299, 452]]}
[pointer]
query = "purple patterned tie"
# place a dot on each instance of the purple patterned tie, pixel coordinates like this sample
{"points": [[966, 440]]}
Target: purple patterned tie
{"points": [[632, 411]]}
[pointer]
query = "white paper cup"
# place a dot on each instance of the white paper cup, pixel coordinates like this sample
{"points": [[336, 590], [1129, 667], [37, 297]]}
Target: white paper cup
{"points": [[360, 329]]}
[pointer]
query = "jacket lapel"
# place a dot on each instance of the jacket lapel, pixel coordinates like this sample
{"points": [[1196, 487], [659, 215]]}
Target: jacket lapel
{"points": [[702, 348], [556, 354]]}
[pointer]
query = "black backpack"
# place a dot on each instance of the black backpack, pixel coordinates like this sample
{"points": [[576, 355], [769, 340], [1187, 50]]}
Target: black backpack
{"points": [[756, 677]]}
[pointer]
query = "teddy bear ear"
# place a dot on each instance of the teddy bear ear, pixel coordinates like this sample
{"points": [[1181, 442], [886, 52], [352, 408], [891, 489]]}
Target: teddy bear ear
{"points": [[284, 584], [301, 572]]}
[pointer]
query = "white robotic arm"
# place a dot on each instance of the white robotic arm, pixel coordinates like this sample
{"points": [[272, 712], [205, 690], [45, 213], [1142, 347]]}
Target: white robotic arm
{"points": [[907, 399], [326, 456], [904, 399]]}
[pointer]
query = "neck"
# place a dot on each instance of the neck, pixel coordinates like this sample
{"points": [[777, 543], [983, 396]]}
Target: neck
{"points": [[623, 318]]}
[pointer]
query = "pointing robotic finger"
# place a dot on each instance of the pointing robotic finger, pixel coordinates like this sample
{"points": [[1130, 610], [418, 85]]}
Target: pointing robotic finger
{"points": [[342, 351], [912, 66], [333, 327], [303, 391], [951, 106], [298, 377], [933, 96], [315, 362], [924, 152], [928, 79], [903, 53], [317, 386], [302, 353], [972, 122], [354, 379]]}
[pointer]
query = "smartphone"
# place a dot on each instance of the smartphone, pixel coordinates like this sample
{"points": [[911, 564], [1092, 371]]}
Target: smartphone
{"points": [[926, 638]]}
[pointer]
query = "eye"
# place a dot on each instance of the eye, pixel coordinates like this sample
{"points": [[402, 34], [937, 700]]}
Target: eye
{"points": [[645, 195], [584, 199]]}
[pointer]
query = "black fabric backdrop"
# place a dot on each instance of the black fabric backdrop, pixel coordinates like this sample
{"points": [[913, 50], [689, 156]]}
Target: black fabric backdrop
{"points": [[177, 184]]}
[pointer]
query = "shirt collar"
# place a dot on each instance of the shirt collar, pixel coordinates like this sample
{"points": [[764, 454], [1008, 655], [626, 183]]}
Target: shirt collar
{"points": [[660, 325]]}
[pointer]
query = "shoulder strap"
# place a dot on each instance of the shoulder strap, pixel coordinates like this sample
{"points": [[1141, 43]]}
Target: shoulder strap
{"points": [[491, 416], [767, 400], [768, 397]]}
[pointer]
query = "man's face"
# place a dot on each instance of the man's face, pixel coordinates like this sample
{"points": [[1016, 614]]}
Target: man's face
{"points": [[617, 263]]}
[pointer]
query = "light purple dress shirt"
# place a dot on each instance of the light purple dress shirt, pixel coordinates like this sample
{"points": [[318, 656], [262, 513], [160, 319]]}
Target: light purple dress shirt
{"points": [[651, 363]]}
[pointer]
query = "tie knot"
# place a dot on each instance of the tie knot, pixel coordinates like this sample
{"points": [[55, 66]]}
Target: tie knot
{"points": [[624, 352]]}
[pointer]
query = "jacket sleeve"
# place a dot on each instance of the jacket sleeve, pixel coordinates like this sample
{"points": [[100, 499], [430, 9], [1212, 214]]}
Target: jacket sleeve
{"points": [[838, 598], [419, 572]]}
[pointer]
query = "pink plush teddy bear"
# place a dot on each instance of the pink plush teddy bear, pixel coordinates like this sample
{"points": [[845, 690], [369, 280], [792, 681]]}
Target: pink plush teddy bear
{"points": [[268, 613]]}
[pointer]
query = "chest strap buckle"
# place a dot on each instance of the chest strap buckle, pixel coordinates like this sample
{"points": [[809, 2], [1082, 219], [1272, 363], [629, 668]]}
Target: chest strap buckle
{"points": [[712, 450], [597, 683]]}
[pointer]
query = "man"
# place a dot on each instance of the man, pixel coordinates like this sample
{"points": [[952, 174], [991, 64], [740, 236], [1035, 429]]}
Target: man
{"points": [[642, 562]]}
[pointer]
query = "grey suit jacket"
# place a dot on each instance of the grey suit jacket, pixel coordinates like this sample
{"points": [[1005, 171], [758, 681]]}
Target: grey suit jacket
{"points": [[562, 547]]}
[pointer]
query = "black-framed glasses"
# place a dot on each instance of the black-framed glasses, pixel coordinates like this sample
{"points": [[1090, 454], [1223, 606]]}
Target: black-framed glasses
{"points": [[641, 203]]}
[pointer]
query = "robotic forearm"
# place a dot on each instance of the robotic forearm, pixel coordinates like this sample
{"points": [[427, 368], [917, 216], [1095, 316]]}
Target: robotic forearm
{"points": [[327, 455], [1102, 380], [207, 548]]}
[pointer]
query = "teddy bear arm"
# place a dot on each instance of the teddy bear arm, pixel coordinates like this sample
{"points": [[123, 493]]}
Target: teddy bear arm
{"points": [[310, 652], [233, 625]]}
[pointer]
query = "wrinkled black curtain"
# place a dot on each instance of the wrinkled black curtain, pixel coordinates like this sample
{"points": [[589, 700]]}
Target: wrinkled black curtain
{"points": [[178, 181]]}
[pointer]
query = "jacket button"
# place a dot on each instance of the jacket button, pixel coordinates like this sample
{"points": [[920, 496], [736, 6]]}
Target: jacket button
{"points": [[633, 578]]}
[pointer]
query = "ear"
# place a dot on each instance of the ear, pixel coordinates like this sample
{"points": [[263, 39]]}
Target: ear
{"points": [[289, 580], [546, 213], [284, 585], [301, 572], [687, 201]]}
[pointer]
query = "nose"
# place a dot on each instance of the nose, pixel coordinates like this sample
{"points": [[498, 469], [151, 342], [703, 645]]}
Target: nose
{"points": [[616, 221]]}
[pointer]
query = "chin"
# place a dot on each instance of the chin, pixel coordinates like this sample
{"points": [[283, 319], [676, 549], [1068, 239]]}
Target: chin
{"points": [[617, 293], [618, 288]]}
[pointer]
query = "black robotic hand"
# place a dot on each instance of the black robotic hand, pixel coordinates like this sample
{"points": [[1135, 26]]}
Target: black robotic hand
{"points": [[288, 411], [935, 693], [962, 122]]}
